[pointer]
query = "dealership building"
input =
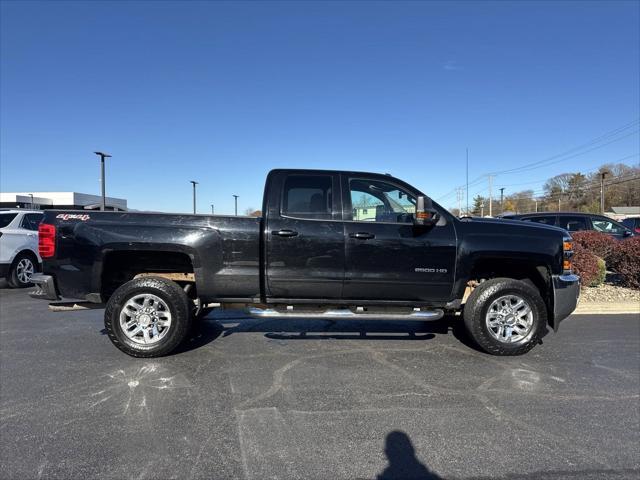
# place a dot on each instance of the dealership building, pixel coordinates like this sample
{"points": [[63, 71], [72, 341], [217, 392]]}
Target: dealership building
{"points": [[60, 201]]}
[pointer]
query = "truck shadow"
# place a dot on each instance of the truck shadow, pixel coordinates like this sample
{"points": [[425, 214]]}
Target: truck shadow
{"points": [[300, 328]]}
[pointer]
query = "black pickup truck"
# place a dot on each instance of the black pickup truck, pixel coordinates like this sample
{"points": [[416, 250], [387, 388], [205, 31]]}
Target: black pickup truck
{"points": [[330, 244]]}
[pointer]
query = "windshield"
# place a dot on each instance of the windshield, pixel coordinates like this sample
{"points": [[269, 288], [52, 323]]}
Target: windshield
{"points": [[6, 219]]}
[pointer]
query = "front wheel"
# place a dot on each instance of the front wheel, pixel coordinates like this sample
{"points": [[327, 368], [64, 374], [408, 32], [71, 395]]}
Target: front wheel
{"points": [[148, 317], [505, 316]]}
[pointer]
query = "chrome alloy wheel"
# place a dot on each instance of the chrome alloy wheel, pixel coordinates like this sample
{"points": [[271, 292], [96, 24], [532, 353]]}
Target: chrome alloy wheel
{"points": [[24, 270], [145, 319], [509, 319]]}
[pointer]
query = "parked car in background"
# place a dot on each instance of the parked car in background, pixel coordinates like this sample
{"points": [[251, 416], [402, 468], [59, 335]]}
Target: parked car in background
{"points": [[19, 257], [575, 222], [632, 223]]}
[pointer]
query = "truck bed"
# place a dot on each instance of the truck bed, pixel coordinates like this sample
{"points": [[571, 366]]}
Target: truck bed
{"points": [[221, 251]]}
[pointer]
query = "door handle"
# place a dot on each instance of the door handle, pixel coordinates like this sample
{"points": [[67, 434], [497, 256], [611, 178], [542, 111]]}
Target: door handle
{"points": [[284, 233], [362, 235]]}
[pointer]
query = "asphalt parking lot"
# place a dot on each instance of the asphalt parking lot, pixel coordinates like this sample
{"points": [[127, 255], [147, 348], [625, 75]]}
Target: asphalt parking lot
{"points": [[259, 399]]}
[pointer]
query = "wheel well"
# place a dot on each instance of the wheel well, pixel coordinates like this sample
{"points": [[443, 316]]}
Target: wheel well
{"points": [[28, 253], [120, 267], [538, 275]]}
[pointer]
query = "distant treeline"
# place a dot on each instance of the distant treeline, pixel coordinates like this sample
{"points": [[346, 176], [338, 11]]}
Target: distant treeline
{"points": [[571, 192]]}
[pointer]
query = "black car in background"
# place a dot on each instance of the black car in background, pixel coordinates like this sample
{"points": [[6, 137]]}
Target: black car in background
{"points": [[575, 222], [632, 223]]}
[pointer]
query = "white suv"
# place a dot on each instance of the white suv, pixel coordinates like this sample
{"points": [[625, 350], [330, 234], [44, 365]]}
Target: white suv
{"points": [[19, 257]]}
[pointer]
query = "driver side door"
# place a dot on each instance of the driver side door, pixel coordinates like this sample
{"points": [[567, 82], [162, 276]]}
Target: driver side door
{"points": [[386, 256]]}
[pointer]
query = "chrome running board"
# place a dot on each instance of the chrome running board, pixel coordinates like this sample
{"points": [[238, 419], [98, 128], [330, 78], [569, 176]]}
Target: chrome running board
{"points": [[345, 314]]}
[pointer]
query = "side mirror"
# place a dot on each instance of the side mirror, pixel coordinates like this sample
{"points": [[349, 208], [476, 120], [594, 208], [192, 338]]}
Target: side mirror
{"points": [[627, 233], [426, 216]]}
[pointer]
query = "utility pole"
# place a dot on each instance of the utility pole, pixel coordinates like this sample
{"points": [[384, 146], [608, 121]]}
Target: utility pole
{"points": [[467, 181], [536, 200], [459, 198], [602, 175], [482, 209], [501, 200], [194, 195], [559, 198], [212, 209], [235, 197], [102, 179], [491, 195]]}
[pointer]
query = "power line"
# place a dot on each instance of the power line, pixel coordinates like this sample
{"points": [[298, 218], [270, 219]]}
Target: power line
{"points": [[559, 157]]}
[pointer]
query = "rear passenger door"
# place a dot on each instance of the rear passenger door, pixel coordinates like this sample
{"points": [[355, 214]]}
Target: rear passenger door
{"points": [[304, 252]]}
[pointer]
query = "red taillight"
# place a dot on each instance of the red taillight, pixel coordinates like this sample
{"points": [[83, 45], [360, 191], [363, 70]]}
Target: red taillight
{"points": [[46, 240]]}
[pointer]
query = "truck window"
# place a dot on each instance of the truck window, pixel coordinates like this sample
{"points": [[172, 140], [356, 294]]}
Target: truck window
{"points": [[307, 196], [377, 201]]}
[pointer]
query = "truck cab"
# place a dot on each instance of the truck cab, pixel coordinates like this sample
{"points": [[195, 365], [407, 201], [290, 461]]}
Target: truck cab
{"points": [[353, 236]]}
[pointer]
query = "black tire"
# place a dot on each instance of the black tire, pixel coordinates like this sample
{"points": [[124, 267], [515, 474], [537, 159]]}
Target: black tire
{"points": [[16, 275], [171, 294], [479, 302]]}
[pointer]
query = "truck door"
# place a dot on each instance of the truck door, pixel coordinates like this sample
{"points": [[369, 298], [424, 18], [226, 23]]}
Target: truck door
{"points": [[387, 257], [304, 236]]}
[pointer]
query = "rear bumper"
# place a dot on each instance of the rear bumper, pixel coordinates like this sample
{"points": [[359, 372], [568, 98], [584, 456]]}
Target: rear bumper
{"points": [[45, 287], [566, 291]]}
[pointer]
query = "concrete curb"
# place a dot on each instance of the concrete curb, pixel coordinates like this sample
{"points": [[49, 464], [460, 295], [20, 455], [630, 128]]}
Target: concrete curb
{"points": [[612, 308]]}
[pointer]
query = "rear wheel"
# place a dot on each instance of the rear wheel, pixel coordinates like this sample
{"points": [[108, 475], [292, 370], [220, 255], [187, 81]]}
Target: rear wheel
{"points": [[505, 316], [148, 317], [22, 268]]}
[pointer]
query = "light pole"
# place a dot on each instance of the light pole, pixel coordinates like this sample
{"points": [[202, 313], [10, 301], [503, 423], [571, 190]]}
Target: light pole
{"points": [[194, 195], [212, 209], [235, 197], [602, 175], [103, 155]]}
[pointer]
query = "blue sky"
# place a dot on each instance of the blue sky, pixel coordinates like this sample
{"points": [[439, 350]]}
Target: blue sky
{"points": [[223, 92]]}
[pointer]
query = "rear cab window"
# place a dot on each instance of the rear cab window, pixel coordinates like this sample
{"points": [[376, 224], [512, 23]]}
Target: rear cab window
{"points": [[308, 197]]}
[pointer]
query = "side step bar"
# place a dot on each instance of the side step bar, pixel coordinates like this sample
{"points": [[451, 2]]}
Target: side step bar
{"points": [[346, 314]]}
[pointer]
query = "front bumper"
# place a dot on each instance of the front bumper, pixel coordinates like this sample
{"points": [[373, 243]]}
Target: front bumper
{"points": [[45, 287], [566, 291]]}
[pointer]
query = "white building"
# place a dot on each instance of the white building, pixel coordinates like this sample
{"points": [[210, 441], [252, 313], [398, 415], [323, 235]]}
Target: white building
{"points": [[59, 200]]}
